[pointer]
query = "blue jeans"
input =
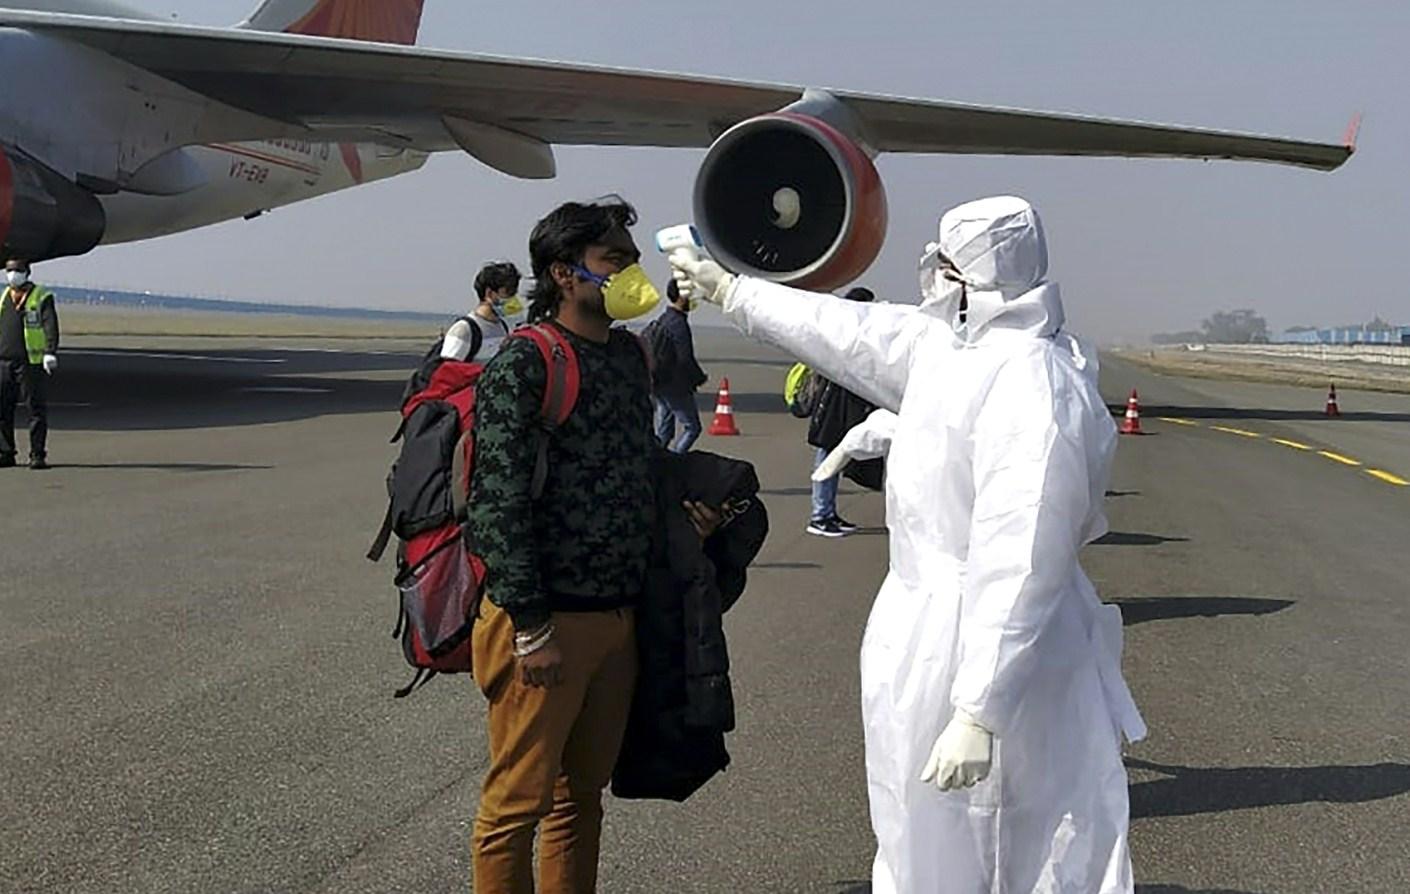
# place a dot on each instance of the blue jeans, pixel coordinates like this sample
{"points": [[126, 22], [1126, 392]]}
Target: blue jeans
{"points": [[824, 492], [677, 409]]}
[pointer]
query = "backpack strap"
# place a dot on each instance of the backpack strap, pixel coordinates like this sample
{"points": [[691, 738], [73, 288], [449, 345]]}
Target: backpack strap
{"points": [[477, 337], [423, 676], [560, 392], [384, 535], [459, 483]]}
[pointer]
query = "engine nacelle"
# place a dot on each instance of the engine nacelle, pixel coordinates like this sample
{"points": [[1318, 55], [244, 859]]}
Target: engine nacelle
{"points": [[790, 198], [42, 213]]}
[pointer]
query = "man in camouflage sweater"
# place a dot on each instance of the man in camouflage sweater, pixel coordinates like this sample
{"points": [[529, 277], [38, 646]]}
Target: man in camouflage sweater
{"points": [[554, 648]]}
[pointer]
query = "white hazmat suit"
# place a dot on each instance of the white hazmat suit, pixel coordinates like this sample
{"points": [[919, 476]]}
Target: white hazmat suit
{"points": [[995, 479]]}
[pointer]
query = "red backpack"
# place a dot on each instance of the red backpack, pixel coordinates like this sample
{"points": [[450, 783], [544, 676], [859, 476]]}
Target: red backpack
{"points": [[439, 579]]}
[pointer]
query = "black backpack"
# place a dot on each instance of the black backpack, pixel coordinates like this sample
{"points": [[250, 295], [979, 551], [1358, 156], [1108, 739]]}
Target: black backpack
{"points": [[432, 360]]}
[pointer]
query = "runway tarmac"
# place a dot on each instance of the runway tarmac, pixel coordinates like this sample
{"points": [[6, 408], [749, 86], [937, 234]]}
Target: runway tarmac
{"points": [[197, 663]]}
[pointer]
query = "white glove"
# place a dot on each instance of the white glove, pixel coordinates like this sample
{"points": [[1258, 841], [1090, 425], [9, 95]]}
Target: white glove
{"points": [[701, 277], [962, 755], [867, 440], [51, 363]]}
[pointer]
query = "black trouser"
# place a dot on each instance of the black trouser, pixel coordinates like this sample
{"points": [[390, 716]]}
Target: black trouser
{"points": [[28, 379]]}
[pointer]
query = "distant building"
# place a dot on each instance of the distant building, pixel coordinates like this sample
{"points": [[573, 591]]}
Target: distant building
{"points": [[1347, 335]]}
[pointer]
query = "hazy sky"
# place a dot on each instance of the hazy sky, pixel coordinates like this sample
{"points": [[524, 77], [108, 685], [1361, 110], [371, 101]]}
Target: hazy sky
{"points": [[1138, 246]]}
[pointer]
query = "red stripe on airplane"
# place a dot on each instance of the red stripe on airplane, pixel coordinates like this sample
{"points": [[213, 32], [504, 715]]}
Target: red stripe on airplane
{"points": [[352, 160], [268, 159]]}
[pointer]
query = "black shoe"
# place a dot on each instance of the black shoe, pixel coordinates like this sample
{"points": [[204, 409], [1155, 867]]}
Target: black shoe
{"points": [[825, 528], [7, 461], [37, 463], [844, 525]]}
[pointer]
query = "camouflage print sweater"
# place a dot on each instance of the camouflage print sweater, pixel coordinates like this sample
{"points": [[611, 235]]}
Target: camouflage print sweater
{"points": [[584, 545]]}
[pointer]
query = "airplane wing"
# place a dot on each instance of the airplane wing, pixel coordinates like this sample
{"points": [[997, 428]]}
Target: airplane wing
{"points": [[434, 100]]}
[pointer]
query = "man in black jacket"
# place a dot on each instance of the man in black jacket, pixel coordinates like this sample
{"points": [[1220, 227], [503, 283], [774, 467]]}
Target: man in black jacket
{"points": [[677, 375], [29, 347], [837, 411]]}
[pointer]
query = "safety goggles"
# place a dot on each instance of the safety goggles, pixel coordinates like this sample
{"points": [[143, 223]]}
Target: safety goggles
{"points": [[936, 259]]}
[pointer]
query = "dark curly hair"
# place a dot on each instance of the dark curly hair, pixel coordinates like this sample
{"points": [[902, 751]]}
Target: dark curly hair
{"points": [[495, 276], [563, 236]]}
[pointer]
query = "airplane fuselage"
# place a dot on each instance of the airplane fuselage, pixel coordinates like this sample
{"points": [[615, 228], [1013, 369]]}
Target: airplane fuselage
{"points": [[247, 179], [125, 136]]}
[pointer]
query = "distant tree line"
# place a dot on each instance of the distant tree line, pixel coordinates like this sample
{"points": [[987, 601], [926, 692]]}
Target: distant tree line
{"points": [[1225, 327]]}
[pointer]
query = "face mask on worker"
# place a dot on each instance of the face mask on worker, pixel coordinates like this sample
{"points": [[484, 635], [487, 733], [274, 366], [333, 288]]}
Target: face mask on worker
{"points": [[626, 294], [509, 307], [16, 278]]}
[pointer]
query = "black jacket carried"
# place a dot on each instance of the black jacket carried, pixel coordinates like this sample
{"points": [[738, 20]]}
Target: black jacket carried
{"points": [[683, 706], [837, 412]]}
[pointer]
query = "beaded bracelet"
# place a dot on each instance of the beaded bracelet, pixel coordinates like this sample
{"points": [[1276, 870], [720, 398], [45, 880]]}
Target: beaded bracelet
{"points": [[528, 645]]}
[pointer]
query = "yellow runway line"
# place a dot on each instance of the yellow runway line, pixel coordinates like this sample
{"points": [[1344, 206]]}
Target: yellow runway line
{"points": [[1236, 431], [1388, 477], [1293, 444], [1178, 421], [1337, 457]]}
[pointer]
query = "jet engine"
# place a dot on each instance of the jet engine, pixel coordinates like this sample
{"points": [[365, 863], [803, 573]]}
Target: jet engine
{"points": [[792, 198], [44, 214]]}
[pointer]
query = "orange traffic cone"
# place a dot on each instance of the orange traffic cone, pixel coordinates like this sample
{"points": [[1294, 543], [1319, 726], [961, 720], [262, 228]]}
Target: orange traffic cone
{"points": [[1132, 423], [1332, 409], [724, 413]]}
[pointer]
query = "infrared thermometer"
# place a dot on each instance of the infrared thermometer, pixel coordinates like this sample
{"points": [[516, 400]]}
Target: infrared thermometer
{"points": [[683, 238], [681, 242]]}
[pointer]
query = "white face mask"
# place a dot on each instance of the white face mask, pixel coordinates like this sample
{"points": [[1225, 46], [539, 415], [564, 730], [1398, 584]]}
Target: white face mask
{"points": [[16, 278]]}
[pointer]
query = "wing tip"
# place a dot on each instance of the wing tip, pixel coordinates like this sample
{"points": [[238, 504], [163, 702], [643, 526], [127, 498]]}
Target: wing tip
{"points": [[1353, 130]]}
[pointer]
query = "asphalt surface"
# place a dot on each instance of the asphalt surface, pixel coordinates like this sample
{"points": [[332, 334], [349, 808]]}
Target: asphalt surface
{"points": [[197, 669]]}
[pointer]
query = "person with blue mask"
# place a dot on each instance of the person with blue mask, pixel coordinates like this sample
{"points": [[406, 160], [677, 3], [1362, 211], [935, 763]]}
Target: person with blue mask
{"points": [[497, 287], [564, 522]]}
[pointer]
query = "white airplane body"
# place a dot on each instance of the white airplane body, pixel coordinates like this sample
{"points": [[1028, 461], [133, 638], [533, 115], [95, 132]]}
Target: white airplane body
{"points": [[116, 126], [248, 179]]}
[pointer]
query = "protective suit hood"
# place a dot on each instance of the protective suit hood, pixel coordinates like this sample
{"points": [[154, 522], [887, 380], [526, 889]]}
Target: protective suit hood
{"points": [[1002, 256]]}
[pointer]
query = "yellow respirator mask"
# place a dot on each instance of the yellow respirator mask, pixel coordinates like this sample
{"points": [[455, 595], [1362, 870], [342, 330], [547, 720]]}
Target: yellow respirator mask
{"points": [[626, 294]]}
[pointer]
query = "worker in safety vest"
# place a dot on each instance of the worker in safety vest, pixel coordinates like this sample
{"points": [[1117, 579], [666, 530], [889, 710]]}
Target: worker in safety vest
{"points": [[29, 347]]}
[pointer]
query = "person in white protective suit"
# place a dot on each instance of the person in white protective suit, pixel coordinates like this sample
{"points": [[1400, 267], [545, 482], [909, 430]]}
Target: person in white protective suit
{"points": [[992, 694]]}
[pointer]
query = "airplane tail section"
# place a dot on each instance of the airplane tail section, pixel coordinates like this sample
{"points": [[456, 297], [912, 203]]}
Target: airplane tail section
{"points": [[383, 21]]}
